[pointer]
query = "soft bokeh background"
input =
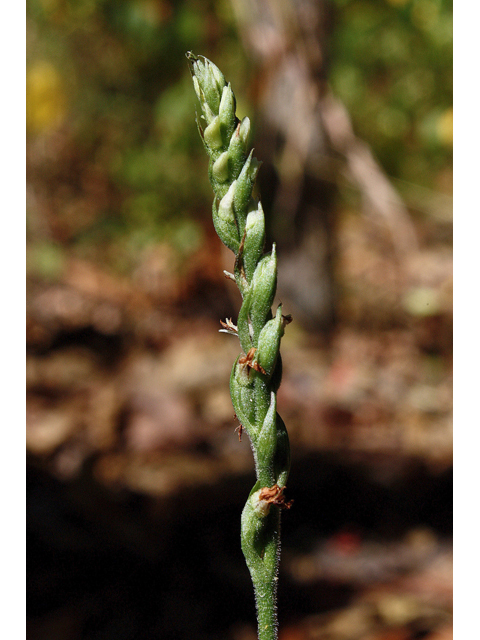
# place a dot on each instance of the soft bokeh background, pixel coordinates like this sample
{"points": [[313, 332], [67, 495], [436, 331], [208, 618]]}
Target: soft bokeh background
{"points": [[135, 475]]}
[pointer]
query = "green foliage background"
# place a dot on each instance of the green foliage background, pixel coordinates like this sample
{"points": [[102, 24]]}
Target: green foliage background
{"points": [[392, 66]]}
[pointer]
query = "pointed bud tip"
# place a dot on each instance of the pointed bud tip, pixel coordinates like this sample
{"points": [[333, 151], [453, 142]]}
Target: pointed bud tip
{"points": [[225, 209], [220, 167], [244, 130], [212, 134]]}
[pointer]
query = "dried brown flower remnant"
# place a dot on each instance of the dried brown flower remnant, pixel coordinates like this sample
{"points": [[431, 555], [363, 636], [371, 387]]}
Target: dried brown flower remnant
{"points": [[228, 327], [240, 431], [274, 495], [249, 361]]}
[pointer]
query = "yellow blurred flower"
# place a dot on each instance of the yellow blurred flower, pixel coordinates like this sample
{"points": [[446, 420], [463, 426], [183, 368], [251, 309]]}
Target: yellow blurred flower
{"points": [[445, 127], [46, 100]]}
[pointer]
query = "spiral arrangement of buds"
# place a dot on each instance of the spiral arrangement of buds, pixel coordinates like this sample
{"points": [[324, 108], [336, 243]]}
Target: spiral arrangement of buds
{"points": [[240, 224]]}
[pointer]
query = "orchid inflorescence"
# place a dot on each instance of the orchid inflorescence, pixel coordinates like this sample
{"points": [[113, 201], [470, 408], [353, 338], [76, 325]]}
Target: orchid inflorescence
{"points": [[240, 224]]}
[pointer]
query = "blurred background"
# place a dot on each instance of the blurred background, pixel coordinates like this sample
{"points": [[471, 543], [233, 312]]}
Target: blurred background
{"points": [[136, 477]]}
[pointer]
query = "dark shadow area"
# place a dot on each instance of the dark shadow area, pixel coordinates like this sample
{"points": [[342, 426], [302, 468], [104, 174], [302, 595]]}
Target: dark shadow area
{"points": [[118, 565]]}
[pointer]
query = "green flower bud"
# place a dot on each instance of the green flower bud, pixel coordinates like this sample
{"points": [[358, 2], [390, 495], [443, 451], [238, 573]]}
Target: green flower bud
{"points": [[242, 391], [212, 135], [218, 76], [254, 240], [225, 208], [220, 168], [266, 445], [224, 222], [244, 132], [194, 63], [245, 182], [198, 91], [236, 153], [197, 69], [264, 284], [209, 81], [227, 113], [269, 343]]}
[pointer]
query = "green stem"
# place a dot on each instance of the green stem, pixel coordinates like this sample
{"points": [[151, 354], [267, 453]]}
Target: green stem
{"points": [[265, 587], [266, 612], [261, 547]]}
